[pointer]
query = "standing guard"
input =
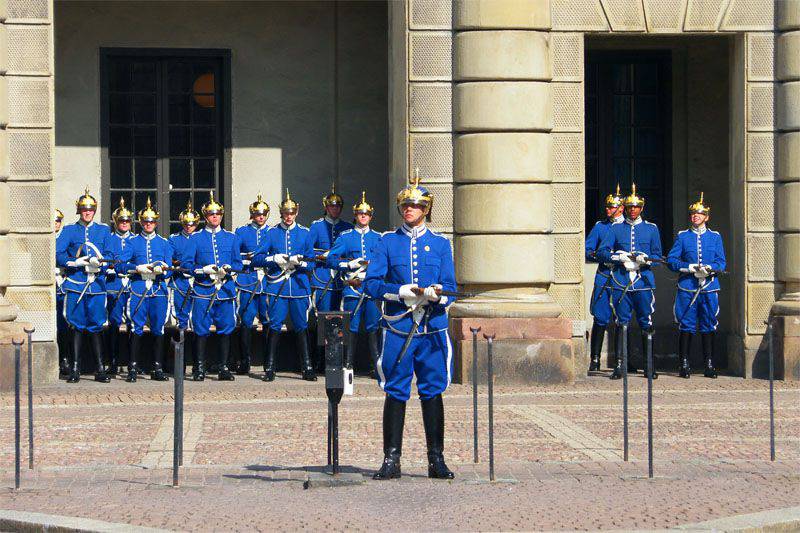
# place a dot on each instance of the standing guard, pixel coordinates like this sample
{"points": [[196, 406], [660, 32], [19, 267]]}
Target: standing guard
{"points": [[601, 307], [284, 253], [213, 255], [407, 269], [62, 328], [324, 231], [250, 284], [181, 282], [632, 245], [351, 254], [149, 255], [698, 254], [84, 249], [117, 290]]}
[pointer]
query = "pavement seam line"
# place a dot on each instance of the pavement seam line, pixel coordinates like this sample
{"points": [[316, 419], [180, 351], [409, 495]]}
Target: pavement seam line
{"points": [[159, 451]]}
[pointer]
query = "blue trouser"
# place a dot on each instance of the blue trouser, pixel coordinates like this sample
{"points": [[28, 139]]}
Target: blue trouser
{"points": [[61, 322], [154, 311], [252, 305], [297, 308], [222, 315], [705, 309], [642, 302], [330, 301], [180, 310], [429, 356], [368, 314], [601, 307], [88, 315], [116, 308]]}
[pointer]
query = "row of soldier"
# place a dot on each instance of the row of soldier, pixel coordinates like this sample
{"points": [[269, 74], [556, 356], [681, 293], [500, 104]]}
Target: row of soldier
{"points": [[404, 279], [626, 248]]}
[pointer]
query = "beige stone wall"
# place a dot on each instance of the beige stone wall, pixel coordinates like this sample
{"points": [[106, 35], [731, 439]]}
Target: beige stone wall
{"points": [[26, 147]]}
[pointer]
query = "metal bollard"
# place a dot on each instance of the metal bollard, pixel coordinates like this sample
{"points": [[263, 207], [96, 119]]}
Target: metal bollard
{"points": [[650, 371], [17, 372], [771, 355], [625, 392], [490, 379], [30, 396], [177, 448], [475, 393]]}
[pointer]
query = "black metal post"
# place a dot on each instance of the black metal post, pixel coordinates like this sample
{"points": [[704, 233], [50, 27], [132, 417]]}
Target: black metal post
{"points": [[17, 377], [475, 393], [490, 384], [625, 392], [335, 438], [330, 433], [650, 371], [30, 396], [771, 354], [177, 448]]}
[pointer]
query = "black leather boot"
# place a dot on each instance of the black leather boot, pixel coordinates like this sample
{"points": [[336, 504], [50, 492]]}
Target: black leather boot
{"points": [[75, 371], [617, 373], [433, 420], [224, 343], [157, 372], [708, 353], [136, 346], [394, 416], [374, 352], [596, 346], [684, 349], [272, 349], [245, 337], [644, 357], [350, 349], [97, 343], [64, 347], [306, 366], [199, 370], [113, 336]]}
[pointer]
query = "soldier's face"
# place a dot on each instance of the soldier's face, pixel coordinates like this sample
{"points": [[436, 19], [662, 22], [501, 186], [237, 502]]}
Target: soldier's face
{"points": [[634, 211], [124, 225], [58, 225], [259, 219], [363, 219], [288, 217], [214, 220], [333, 210], [149, 227], [611, 212], [413, 214], [87, 215], [189, 228], [698, 219]]}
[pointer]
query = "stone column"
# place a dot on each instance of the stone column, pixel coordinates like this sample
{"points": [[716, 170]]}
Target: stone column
{"points": [[788, 188]]}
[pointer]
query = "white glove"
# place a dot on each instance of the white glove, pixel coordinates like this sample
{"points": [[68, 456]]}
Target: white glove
{"points": [[281, 260], [622, 256], [111, 272], [409, 297], [143, 269], [158, 269], [295, 260], [641, 259], [80, 262], [223, 271], [354, 264], [630, 266], [702, 272], [94, 261], [693, 268], [210, 270], [430, 293]]}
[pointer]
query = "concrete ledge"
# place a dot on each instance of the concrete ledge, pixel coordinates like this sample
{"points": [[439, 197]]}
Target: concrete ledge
{"points": [[512, 328], [787, 519], [26, 521]]}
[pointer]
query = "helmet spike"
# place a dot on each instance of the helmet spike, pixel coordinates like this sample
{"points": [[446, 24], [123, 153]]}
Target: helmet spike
{"points": [[122, 201], [617, 188], [148, 203]]}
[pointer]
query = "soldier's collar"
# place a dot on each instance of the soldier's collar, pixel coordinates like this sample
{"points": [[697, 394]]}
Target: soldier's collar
{"points": [[633, 222], [148, 236], [256, 226], [213, 230], [185, 233], [331, 221], [414, 233], [617, 219], [361, 230], [700, 229], [85, 224], [126, 234], [284, 226]]}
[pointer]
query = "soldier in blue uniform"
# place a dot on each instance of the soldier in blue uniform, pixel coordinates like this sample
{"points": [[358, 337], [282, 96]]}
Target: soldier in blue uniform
{"points": [[698, 254], [284, 253], [601, 307], [83, 249], [324, 231], [117, 290], [213, 255], [250, 284], [632, 245], [350, 254], [148, 258], [62, 328], [407, 270], [181, 282]]}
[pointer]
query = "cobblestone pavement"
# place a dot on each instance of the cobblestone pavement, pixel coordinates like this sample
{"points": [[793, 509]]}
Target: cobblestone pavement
{"points": [[104, 452]]}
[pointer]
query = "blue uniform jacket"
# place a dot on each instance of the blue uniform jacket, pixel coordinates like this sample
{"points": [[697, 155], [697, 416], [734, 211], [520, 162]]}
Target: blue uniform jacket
{"points": [[77, 240], [691, 247], [142, 250], [352, 244], [402, 257], [250, 239], [281, 239], [324, 232], [220, 248], [593, 240], [637, 236], [113, 280]]}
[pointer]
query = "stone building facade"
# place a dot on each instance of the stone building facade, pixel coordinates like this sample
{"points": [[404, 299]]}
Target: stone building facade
{"points": [[489, 98]]}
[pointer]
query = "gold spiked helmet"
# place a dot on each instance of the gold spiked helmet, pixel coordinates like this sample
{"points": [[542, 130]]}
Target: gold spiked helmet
{"points": [[415, 194], [85, 202], [259, 207], [148, 214], [289, 205], [614, 200], [212, 207], [633, 200], [59, 215], [700, 207], [363, 206], [189, 217], [121, 213], [332, 198]]}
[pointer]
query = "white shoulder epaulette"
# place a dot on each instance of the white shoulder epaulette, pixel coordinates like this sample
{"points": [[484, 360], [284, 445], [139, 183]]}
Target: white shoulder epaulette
{"points": [[345, 232]]}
